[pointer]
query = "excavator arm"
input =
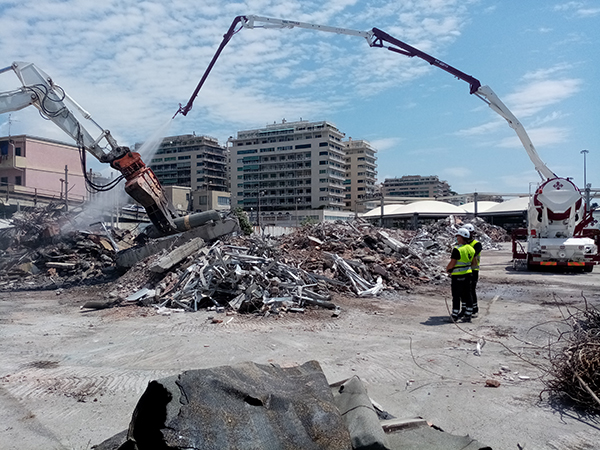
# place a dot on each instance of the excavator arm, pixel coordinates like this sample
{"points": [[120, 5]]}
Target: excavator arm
{"points": [[54, 104], [380, 39]]}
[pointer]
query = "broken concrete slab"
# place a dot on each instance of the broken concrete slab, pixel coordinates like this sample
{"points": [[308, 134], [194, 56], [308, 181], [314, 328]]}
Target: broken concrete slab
{"points": [[208, 232], [177, 255]]}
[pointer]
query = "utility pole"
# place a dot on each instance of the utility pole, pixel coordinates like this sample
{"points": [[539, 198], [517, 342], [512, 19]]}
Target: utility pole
{"points": [[585, 185], [66, 188]]}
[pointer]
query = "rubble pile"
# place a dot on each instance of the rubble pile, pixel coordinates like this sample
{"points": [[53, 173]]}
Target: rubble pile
{"points": [[440, 236], [248, 278], [267, 275], [32, 228], [243, 273], [37, 252], [371, 251]]}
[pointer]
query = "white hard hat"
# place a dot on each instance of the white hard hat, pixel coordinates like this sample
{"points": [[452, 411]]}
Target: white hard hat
{"points": [[463, 232], [469, 227]]}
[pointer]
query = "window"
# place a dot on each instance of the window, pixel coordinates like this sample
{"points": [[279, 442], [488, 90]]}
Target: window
{"points": [[17, 151], [223, 201], [4, 181], [18, 180]]}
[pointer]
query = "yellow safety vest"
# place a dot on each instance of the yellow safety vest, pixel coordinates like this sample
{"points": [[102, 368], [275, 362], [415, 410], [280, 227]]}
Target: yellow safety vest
{"points": [[463, 265], [472, 244]]}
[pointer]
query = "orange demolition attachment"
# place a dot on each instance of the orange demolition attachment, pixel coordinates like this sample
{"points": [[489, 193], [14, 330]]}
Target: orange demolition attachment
{"points": [[143, 186]]}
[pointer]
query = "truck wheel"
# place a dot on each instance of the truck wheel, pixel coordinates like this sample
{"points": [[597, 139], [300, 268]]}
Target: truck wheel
{"points": [[588, 268]]}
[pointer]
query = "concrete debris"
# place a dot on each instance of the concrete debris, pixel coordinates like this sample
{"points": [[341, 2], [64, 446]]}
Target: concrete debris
{"points": [[226, 275], [41, 251], [264, 275], [258, 274]]}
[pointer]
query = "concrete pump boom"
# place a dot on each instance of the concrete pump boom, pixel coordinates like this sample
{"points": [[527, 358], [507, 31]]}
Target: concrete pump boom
{"points": [[379, 38]]}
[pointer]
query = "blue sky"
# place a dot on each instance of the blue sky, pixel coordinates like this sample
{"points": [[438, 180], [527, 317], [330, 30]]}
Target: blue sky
{"points": [[131, 63]]}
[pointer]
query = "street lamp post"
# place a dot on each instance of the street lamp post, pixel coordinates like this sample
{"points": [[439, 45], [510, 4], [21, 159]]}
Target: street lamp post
{"points": [[297, 220], [585, 185], [260, 194]]}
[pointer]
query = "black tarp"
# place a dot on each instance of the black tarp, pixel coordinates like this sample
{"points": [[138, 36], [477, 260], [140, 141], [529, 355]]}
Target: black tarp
{"points": [[246, 406]]}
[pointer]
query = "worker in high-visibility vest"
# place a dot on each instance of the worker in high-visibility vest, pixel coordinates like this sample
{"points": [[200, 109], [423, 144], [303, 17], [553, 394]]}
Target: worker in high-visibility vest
{"points": [[475, 266], [460, 271]]}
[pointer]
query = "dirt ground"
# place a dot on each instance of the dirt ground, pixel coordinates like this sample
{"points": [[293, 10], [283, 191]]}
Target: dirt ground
{"points": [[70, 379]]}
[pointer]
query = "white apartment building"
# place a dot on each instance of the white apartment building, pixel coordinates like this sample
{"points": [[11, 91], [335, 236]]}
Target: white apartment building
{"points": [[198, 162], [361, 176], [416, 186], [288, 166]]}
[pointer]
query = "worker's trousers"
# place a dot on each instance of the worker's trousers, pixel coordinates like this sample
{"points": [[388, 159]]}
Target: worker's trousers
{"points": [[461, 295], [474, 279]]}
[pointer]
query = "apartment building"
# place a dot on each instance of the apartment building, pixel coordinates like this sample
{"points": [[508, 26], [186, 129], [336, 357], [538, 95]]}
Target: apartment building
{"points": [[40, 168], [415, 186], [198, 162], [361, 176], [288, 166]]}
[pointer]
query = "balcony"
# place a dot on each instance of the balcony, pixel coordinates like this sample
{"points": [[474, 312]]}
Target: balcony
{"points": [[13, 162]]}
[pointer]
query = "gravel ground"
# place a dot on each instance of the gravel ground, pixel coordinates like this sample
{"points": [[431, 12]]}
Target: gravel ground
{"points": [[70, 379]]}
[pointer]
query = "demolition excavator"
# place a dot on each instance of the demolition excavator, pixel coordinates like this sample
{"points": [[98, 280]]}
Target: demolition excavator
{"points": [[39, 90], [557, 216], [53, 103]]}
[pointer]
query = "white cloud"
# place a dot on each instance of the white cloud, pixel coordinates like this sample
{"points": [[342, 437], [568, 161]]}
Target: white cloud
{"points": [[567, 6], [457, 172], [578, 9], [384, 144], [544, 74], [532, 98], [483, 129], [541, 137], [588, 12]]}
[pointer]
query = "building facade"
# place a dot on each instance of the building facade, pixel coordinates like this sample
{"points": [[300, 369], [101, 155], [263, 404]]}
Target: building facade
{"points": [[40, 168], [416, 186], [198, 162], [288, 166], [361, 176]]}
